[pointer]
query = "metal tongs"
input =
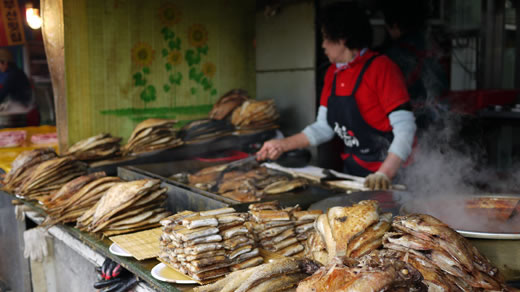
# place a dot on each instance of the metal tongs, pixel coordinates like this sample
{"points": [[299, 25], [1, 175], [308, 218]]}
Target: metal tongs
{"points": [[331, 175]]}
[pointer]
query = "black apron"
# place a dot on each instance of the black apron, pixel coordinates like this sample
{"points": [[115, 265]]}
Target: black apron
{"points": [[365, 147]]}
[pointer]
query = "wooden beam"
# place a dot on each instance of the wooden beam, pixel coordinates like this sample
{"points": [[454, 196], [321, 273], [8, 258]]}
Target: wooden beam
{"points": [[54, 42]]}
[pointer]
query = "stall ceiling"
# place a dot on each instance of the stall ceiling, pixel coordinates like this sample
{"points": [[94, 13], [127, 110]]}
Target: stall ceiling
{"points": [[131, 60]]}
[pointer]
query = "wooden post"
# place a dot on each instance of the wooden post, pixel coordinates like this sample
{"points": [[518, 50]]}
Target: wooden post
{"points": [[54, 42]]}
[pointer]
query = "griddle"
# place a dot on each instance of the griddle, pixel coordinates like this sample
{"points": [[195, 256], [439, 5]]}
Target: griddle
{"points": [[220, 144], [304, 197]]}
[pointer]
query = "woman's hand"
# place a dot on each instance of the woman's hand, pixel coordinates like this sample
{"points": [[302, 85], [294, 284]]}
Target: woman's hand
{"points": [[377, 181], [382, 178], [271, 149]]}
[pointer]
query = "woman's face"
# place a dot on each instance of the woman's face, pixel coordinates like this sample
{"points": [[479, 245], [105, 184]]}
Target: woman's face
{"points": [[336, 51]]}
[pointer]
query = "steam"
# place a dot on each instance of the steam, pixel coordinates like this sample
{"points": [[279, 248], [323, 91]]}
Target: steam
{"points": [[448, 170], [443, 164]]}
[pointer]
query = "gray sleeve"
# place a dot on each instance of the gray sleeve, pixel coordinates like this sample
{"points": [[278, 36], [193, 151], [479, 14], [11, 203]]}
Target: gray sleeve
{"points": [[320, 131], [403, 127]]}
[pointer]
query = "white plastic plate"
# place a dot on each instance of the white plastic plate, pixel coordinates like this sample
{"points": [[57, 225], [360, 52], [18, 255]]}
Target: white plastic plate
{"points": [[117, 250], [164, 273]]}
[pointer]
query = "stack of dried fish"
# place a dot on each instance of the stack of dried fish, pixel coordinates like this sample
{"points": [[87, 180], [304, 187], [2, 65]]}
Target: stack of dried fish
{"points": [[78, 196], [98, 147], [378, 271], [60, 196], [255, 115], [126, 207], [209, 244], [447, 261], [204, 130], [274, 229], [227, 103], [152, 134], [304, 223], [50, 176], [244, 185], [24, 164], [278, 275], [348, 231]]}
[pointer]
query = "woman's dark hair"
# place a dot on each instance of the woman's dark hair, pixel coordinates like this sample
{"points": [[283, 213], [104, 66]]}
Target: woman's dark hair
{"points": [[346, 21]]}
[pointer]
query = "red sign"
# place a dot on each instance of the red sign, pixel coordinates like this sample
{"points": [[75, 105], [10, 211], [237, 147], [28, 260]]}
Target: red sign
{"points": [[11, 26]]}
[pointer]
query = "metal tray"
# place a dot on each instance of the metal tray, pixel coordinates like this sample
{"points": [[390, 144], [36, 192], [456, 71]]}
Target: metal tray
{"points": [[502, 249], [303, 197], [179, 199], [489, 235], [404, 209], [391, 201], [183, 152]]}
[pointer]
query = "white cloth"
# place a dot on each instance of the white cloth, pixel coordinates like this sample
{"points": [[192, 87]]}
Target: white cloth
{"points": [[35, 244], [19, 211], [320, 131], [403, 127]]}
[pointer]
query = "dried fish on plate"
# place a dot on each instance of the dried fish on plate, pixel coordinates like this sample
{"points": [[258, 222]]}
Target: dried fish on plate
{"points": [[24, 164], [70, 188], [125, 207], [252, 278], [353, 230], [445, 258], [227, 103], [152, 134], [97, 147], [207, 244], [255, 115], [204, 130], [49, 176], [285, 186], [374, 272], [76, 204]]}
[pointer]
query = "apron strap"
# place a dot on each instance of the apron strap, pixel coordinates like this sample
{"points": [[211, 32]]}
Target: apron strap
{"points": [[360, 76]]}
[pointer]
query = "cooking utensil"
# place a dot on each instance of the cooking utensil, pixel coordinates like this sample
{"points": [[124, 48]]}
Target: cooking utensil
{"points": [[295, 158], [331, 175]]}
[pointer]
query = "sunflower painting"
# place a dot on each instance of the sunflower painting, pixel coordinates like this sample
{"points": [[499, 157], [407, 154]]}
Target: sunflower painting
{"points": [[209, 69], [142, 54], [197, 35], [174, 57], [169, 14]]}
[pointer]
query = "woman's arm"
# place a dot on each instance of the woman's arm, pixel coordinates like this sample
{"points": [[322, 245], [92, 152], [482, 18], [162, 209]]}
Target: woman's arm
{"points": [[403, 128], [391, 165], [272, 149], [313, 135]]}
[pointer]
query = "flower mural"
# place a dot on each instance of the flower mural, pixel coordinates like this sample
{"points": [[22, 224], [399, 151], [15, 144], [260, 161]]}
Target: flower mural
{"points": [[197, 35], [209, 69], [175, 57], [142, 54], [169, 14]]}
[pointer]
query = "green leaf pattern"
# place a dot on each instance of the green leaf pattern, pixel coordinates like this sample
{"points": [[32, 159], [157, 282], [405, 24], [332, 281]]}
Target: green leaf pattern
{"points": [[192, 56]]}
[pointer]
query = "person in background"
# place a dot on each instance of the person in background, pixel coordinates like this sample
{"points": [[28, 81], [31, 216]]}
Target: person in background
{"points": [[16, 94], [364, 101], [408, 45]]}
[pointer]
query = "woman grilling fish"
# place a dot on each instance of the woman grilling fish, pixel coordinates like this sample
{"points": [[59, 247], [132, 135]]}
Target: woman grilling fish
{"points": [[364, 101]]}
